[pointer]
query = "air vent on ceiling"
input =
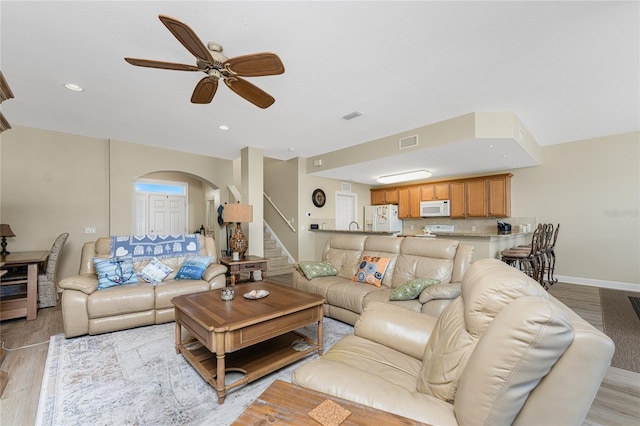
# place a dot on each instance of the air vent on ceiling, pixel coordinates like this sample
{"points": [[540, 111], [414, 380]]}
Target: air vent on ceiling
{"points": [[352, 115], [409, 142]]}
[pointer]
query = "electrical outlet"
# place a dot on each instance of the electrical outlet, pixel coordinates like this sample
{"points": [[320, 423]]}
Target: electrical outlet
{"points": [[473, 229]]}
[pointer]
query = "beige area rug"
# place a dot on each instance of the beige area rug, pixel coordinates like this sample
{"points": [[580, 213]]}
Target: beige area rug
{"points": [[621, 323], [134, 377]]}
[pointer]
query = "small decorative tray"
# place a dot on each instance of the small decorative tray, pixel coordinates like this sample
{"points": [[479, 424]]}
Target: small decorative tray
{"points": [[256, 294]]}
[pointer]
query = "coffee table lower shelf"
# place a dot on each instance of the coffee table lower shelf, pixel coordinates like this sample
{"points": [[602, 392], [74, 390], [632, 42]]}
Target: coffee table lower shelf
{"points": [[254, 361]]}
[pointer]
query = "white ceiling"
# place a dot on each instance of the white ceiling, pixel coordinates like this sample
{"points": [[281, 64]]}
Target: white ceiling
{"points": [[569, 70]]}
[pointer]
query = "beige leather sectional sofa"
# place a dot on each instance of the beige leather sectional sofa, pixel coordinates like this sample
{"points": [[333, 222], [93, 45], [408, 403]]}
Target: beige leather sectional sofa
{"points": [[410, 257], [504, 352], [87, 310]]}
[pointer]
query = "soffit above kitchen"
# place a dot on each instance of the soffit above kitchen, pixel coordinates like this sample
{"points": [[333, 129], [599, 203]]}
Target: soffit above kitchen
{"points": [[474, 143]]}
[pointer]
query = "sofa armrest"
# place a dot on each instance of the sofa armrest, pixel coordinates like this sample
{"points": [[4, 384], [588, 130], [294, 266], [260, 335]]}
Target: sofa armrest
{"points": [[214, 270], [86, 283], [440, 291], [395, 327]]}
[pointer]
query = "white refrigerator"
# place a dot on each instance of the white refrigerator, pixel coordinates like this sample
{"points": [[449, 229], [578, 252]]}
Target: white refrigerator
{"points": [[382, 218]]}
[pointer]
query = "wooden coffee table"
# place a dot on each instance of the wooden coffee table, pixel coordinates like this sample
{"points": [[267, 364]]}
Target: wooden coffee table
{"points": [[284, 403], [254, 337]]}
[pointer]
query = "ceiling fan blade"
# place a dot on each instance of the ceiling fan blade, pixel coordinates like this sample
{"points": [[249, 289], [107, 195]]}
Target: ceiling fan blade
{"points": [[149, 63], [204, 91], [255, 65], [250, 92], [188, 38]]}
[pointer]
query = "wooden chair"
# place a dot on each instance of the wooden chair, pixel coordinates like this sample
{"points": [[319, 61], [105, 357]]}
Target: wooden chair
{"points": [[47, 284], [528, 258]]}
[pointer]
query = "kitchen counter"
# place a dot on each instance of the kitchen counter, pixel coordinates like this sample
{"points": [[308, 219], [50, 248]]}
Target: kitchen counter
{"points": [[486, 245], [359, 231]]}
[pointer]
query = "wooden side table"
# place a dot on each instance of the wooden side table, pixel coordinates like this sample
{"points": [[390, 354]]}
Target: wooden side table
{"points": [[247, 264], [24, 303]]}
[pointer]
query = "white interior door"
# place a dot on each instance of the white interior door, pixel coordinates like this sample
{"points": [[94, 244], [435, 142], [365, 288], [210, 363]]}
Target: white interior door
{"points": [[346, 209], [167, 215]]}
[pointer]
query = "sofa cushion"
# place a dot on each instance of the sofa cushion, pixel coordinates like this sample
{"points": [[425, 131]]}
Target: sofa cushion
{"points": [[121, 300], [347, 294], [498, 379], [412, 288], [168, 289], [371, 270], [154, 272], [193, 267], [344, 251], [313, 270], [424, 259], [114, 271], [487, 288], [382, 296]]}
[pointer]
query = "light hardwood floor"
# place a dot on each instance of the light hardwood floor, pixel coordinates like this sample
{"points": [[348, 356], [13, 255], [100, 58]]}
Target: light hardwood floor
{"points": [[617, 402]]}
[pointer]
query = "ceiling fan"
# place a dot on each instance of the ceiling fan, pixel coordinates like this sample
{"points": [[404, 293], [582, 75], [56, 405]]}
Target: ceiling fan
{"points": [[211, 61]]}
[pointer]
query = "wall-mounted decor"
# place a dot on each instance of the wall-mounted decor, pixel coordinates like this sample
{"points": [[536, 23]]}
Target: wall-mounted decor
{"points": [[318, 198]]}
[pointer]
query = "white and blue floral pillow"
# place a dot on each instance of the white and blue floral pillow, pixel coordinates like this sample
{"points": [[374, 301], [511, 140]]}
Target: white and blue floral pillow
{"points": [[155, 271]]}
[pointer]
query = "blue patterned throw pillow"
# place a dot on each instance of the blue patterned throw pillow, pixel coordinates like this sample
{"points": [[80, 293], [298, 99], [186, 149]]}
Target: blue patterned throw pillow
{"points": [[193, 267], [114, 271]]}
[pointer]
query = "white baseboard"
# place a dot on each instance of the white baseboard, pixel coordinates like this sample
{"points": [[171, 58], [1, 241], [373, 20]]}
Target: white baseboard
{"points": [[614, 285]]}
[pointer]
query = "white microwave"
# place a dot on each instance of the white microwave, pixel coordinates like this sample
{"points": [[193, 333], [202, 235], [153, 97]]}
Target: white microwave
{"points": [[435, 208]]}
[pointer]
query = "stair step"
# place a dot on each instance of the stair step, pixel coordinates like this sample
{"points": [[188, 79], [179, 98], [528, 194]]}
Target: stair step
{"points": [[277, 263]]}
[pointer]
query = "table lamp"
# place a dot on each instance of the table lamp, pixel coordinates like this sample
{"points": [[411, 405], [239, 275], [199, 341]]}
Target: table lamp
{"points": [[5, 231], [238, 213]]}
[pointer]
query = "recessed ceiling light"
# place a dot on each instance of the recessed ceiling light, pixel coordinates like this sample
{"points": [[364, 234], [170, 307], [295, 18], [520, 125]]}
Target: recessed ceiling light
{"points": [[291, 149], [493, 145], [505, 155], [73, 87], [223, 127]]}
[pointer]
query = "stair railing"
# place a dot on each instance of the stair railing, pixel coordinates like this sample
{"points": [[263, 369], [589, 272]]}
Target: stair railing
{"points": [[279, 212]]}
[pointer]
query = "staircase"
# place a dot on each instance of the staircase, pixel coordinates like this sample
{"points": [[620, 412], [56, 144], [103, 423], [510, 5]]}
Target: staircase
{"points": [[277, 263]]}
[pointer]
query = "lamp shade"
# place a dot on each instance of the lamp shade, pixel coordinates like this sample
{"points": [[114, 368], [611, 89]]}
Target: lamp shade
{"points": [[5, 231], [237, 213]]}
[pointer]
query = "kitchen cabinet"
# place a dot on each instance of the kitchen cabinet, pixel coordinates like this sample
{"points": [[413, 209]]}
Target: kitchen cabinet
{"points": [[482, 197], [434, 191], [409, 202], [384, 196], [499, 188]]}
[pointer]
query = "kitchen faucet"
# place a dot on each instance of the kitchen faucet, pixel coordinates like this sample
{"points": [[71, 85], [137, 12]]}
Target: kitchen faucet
{"points": [[352, 222]]}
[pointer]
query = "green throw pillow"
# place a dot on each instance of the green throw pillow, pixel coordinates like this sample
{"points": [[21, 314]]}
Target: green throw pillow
{"points": [[312, 270], [412, 288]]}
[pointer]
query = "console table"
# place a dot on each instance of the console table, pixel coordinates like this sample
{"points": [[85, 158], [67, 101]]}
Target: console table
{"points": [[246, 264], [23, 303]]}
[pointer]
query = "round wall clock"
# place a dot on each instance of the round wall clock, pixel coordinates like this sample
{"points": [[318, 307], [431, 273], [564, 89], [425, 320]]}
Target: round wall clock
{"points": [[318, 198]]}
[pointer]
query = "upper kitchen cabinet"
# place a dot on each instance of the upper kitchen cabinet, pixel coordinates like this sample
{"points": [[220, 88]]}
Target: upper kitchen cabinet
{"points": [[499, 195], [434, 191], [481, 197], [384, 196], [409, 202]]}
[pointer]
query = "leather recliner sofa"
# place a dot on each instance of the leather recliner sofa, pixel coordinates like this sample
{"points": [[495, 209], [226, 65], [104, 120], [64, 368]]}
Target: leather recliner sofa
{"points": [[504, 352], [410, 257], [87, 310]]}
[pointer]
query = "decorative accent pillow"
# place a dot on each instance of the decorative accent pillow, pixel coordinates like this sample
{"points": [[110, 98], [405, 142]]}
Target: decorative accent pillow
{"points": [[193, 267], [312, 270], [114, 271], [371, 270], [155, 271], [412, 288]]}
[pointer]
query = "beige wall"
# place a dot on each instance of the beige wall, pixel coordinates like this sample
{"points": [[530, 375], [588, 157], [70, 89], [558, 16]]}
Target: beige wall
{"points": [[592, 188], [56, 182]]}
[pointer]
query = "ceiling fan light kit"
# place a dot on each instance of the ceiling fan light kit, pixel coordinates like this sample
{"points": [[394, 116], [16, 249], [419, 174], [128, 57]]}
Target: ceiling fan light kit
{"points": [[211, 61], [405, 176]]}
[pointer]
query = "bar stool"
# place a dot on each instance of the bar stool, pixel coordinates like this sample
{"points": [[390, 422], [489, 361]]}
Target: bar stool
{"points": [[550, 256], [528, 259]]}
